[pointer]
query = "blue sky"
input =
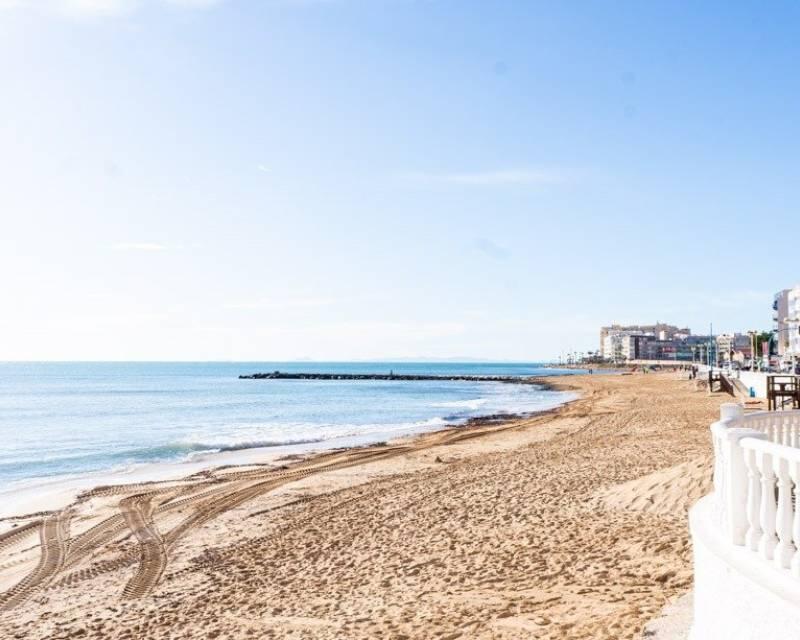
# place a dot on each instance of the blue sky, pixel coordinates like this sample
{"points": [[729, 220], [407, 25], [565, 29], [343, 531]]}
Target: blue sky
{"points": [[342, 179]]}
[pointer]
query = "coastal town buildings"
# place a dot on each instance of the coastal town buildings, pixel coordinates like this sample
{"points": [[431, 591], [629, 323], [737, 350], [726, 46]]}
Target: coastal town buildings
{"points": [[632, 342], [734, 347], [658, 341]]}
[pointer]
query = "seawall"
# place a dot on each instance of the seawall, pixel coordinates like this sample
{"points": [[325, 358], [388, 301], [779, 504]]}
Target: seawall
{"points": [[278, 375]]}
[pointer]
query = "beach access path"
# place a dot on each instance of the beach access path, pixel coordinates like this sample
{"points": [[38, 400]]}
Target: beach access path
{"points": [[567, 524]]}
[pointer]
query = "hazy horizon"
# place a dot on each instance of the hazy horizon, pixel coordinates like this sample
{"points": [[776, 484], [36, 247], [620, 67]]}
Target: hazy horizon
{"points": [[388, 360]]}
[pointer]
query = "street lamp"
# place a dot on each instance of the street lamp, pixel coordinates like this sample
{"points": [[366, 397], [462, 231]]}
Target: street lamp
{"points": [[752, 335]]}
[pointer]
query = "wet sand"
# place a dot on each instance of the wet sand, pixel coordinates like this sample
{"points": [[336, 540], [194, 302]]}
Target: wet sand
{"points": [[569, 524]]}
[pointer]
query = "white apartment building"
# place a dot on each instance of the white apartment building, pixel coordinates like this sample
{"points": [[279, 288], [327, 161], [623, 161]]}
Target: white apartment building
{"points": [[786, 315], [624, 345], [612, 346], [792, 322]]}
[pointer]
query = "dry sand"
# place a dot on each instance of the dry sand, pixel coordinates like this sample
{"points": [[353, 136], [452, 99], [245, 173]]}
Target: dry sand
{"points": [[570, 524]]}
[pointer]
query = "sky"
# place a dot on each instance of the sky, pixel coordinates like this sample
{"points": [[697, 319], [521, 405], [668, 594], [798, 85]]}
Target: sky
{"points": [[377, 179]]}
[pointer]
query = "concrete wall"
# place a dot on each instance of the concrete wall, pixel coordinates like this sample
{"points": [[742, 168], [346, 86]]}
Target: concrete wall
{"points": [[756, 380], [737, 594]]}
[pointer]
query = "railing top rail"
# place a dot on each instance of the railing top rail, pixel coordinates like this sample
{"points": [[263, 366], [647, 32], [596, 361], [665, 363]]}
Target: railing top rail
{"points": [[776, 415], [777, 450], [720, 426]]}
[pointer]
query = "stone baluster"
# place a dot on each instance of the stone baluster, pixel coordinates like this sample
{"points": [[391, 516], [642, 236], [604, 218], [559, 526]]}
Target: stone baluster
{"points": [[784, 515], [753, 536], [719, 465], [731, 474], [768, 542], [794, 473]]}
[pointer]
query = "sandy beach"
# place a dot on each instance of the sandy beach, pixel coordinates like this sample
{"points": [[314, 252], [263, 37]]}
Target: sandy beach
{"points": [[568, 524]]}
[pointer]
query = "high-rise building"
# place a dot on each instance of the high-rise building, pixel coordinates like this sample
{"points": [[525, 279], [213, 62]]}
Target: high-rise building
{"points": [[786, 318], [612, 338]]}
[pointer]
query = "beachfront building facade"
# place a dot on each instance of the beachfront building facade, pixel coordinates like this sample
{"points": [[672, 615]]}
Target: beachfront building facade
{"points": [[656, 342], [780, 312], [632, 342], [686, 348], [616, 346], [734, 347], [786, 319]]}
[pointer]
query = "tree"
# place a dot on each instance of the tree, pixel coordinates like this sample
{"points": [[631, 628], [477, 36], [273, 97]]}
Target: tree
{"points": [[764, 336]]}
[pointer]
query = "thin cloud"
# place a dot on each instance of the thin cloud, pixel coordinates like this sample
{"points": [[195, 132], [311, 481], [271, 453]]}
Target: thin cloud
{"points": [[494, 178], [263, 168], [279, 304], [385, 331], [491, 249], [193, 4], [139, 246], [377, 332]]}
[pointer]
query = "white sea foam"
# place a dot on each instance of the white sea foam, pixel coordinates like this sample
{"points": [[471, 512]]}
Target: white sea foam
{"points": [[472, 405], [250, 438]]}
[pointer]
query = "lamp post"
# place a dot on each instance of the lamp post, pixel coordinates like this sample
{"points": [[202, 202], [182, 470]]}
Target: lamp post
{"points": [[752, 335]]}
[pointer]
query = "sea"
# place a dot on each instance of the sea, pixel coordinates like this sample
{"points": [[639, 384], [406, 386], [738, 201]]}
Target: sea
{"points": [[68, 420]]}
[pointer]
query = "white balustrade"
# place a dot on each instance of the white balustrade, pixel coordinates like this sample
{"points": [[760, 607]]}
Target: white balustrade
{"points": [[757, 483], [781, 427]]}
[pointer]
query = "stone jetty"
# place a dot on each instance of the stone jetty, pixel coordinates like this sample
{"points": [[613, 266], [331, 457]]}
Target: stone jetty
{"points": [[279, 375]]}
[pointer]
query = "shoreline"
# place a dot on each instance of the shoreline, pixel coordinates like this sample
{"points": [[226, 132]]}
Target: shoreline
{"points": [[48, 495], [570, 523]]}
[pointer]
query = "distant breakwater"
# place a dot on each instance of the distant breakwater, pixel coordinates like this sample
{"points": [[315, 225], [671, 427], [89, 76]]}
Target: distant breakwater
{"points": [[279, 375]]}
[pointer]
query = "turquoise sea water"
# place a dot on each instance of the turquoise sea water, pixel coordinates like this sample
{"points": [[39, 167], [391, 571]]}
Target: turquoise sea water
{"points": [[76, 418]]}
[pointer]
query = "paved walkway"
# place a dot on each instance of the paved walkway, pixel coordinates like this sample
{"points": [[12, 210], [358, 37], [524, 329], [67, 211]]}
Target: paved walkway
{"points": [[674, 623]]}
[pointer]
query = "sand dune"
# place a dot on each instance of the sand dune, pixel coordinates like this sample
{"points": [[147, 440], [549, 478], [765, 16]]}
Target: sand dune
{"points": [[567, 525], [664, 492]]}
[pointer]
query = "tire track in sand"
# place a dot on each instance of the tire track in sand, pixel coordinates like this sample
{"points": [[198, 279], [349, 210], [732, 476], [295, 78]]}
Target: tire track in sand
{"points": [[138, 513], [53, 533], [13, 536]]}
